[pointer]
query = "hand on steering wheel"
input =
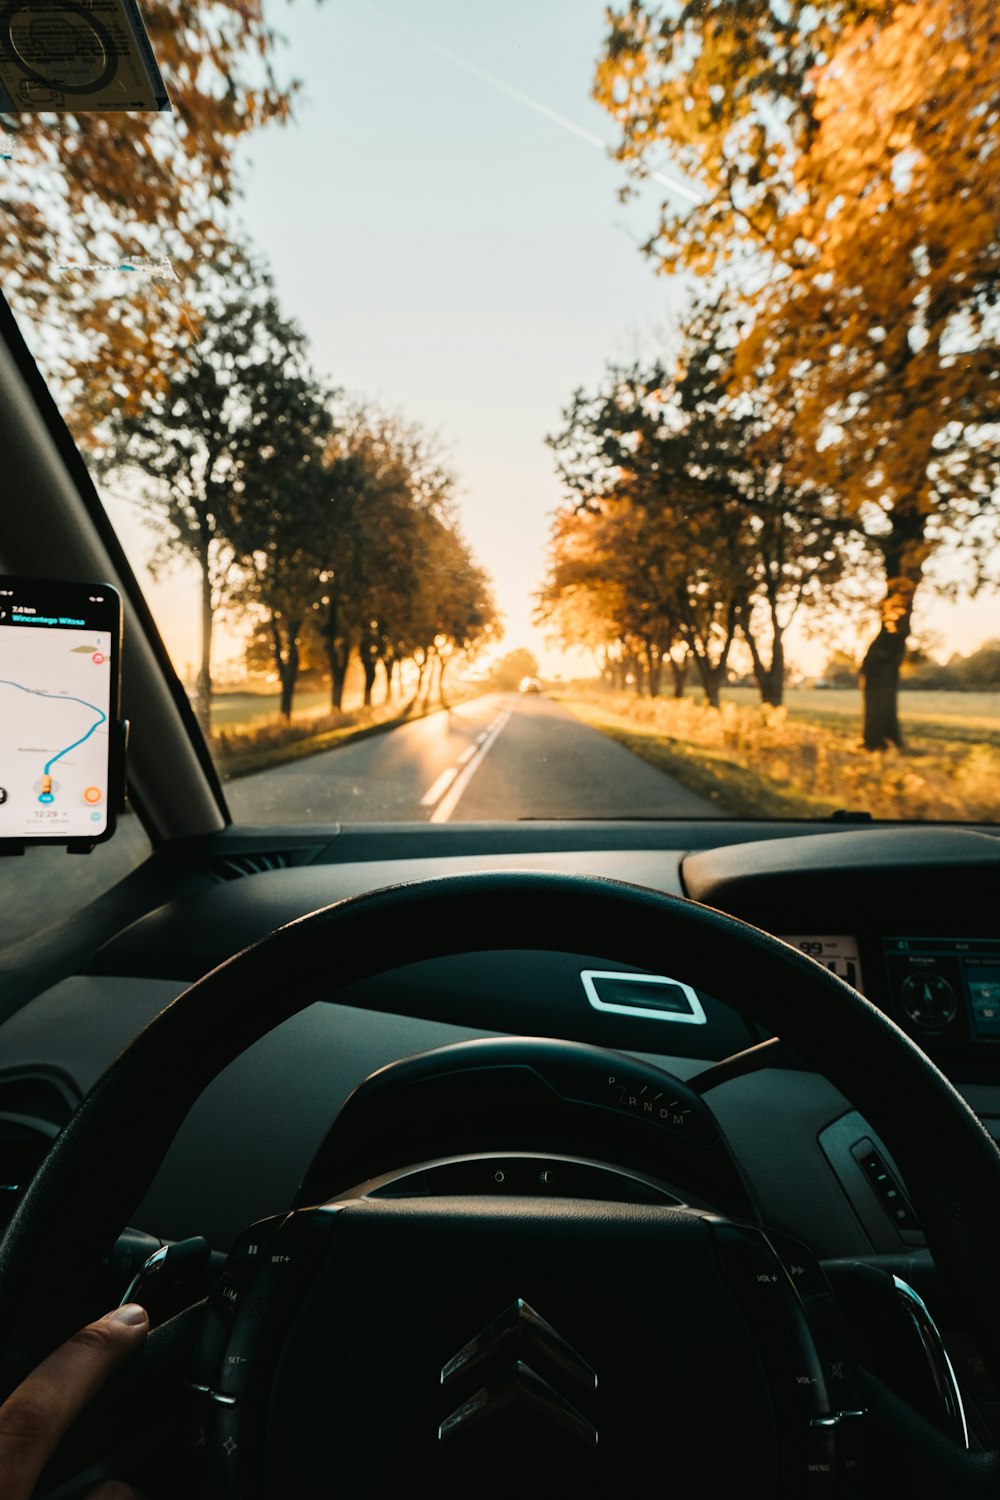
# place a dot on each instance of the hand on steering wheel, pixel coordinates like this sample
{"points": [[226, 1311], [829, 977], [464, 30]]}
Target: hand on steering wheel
{"points": [[35, 1415]]}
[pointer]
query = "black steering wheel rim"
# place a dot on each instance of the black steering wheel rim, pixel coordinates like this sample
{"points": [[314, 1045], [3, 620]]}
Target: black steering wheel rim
{"points": [[101, 1166]]}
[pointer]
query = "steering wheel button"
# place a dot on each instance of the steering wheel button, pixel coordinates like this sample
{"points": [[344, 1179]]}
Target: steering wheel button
{"points": [[775, 1313], [225, 1447], [821, 1466], [248, 1249], [227, 1294], [886, 1186]]}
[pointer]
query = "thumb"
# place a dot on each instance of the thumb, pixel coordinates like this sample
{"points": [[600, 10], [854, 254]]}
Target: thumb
{"points": [[35, 1416]]}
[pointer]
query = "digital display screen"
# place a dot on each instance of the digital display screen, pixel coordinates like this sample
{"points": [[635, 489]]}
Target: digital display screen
{"points": [[838, 954], [950, 986], [58, 708]]}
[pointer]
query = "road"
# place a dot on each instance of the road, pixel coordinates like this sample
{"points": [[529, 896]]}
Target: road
{"points": [[503, 756]]}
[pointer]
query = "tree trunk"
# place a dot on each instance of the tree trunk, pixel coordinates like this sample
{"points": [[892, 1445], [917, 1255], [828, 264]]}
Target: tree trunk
{"points": [[338, 677], [654, 667], [678, 671], [880, 685], [421, 663], [712, 679], [369, 665], [904, 554], [338, 654], [203, 687], [389, 668], [770, 679], [288, 667], [289, 675], [434, 678], [712, 675]]}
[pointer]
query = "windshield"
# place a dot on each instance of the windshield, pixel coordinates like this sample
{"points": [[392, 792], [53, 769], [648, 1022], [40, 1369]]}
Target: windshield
{"points": [[545, 410]]}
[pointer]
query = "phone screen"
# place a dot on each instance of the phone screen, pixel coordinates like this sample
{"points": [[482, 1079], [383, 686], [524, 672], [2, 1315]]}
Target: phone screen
{"points": [[59, 653]]}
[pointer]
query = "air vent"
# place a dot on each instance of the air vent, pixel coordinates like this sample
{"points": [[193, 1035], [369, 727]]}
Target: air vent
{"points": [[34, 1106], [223, 867]]}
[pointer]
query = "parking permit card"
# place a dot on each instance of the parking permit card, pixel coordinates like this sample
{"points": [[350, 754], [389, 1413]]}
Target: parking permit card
{"points": [[77, 56]]}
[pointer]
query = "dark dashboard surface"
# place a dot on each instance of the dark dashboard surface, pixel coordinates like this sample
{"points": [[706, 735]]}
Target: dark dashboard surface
{"points": [[250, 1139], [916, 907]]}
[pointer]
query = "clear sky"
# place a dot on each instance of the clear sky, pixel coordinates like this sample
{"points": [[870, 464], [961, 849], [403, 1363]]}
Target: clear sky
{"points": [[461, 255], [452, 251]]}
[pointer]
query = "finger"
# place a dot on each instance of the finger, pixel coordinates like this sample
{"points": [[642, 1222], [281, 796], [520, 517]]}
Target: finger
{"points": [[35, 1416], [113, 1489]]}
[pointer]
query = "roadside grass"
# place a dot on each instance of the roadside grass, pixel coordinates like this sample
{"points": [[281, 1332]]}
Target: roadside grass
{"points": [[240, 749], [241, 709], [970, 717], [752, 761]]}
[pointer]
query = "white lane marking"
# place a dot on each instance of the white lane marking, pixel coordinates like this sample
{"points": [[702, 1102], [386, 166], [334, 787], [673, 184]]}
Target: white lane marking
{"points": [[450, 801], [466, 755], [434, 793], [481, 737]]}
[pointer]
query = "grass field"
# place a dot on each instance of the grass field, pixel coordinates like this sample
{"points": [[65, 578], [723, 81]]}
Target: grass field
{"points": [[962, 715], [245, 709], [805, 759]]}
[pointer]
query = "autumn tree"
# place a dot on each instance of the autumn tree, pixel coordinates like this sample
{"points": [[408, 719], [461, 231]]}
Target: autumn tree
{"points": [[88, 188], [607, 587], [218, 453], [845, 157], [579, 603], [703, 533], [462, 599], [385, 474], [398, 579]]}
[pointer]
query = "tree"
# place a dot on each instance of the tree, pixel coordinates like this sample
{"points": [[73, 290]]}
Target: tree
{"points": [[845, 154], [466, 612], [714, 537], [99, 187], [382, 474], [507, 673], [841, 670], [398, 579], [602, 591], [275, 538], [213, 451]]}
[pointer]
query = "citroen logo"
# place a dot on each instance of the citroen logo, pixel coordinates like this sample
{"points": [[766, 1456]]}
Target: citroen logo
{"points": [[510, 1340]]}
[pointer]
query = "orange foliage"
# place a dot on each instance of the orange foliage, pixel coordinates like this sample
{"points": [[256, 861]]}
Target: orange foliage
{"points": [[96, 188]]}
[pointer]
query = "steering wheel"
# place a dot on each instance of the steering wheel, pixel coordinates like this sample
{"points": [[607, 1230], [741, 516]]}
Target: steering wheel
{"points": [[685, 1322]]}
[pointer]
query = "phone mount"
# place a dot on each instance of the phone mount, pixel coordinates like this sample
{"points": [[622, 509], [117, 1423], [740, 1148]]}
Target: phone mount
{"points": [[116, 801]]}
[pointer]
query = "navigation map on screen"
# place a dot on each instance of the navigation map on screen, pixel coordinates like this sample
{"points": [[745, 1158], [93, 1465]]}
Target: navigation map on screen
{"points": [[56, 688]]}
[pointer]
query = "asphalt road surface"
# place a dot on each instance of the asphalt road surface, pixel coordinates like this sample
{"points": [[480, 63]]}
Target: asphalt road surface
{"points": [[503, 756]]}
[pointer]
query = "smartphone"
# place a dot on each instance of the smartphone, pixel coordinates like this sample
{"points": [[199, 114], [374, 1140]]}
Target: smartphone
{"points": [[61, 753]]}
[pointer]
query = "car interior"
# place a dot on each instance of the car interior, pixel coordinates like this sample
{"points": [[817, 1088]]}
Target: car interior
{"points": [[486, 1155], [365, 1113]]}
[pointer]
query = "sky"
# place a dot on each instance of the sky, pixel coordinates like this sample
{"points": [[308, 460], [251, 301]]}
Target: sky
{"points": [[443, 221]]}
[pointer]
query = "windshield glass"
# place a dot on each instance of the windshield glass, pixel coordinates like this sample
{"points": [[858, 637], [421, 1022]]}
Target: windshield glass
{"points": [[543, 410]]}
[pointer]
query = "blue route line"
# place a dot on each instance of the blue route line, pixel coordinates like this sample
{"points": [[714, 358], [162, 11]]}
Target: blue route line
{"points": [[60, 698]]}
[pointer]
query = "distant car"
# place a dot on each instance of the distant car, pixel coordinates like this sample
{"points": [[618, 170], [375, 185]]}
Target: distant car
{"points": [[530, 685]]}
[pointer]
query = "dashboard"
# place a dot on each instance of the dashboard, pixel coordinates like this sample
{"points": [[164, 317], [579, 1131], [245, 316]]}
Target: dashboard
{"points": [[907, 915]]}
